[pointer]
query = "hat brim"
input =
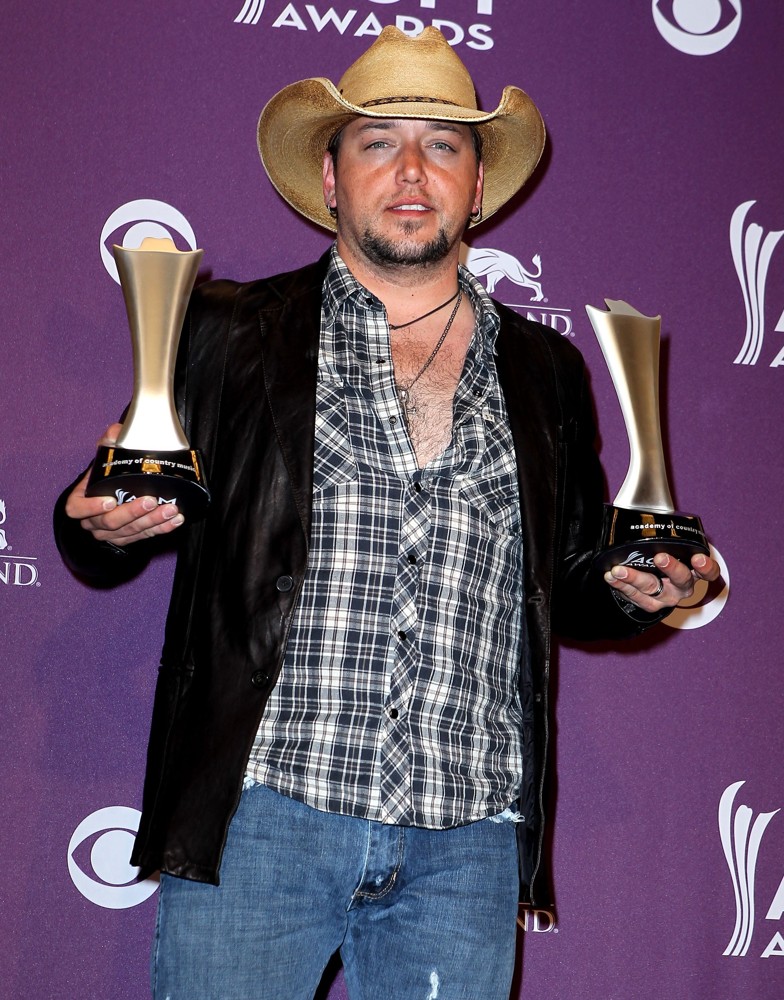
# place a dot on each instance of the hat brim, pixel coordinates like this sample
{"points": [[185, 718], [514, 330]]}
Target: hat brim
{"points": [[297, 123]]}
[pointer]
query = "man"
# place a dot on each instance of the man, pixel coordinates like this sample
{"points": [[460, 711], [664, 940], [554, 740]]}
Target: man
{"points": [[350, 731]]}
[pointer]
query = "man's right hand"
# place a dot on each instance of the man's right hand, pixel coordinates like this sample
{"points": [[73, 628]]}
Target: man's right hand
{"points": [[124, 523]]}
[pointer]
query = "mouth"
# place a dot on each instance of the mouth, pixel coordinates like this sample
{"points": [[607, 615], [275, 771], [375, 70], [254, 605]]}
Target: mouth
{"points": [[413, 206]]}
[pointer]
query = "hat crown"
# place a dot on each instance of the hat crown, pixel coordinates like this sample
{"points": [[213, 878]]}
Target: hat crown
{"points": [[398, 67]]}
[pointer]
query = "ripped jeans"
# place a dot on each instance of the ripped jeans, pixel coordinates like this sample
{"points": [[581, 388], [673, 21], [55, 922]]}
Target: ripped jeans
{"points": [[415, 914]]}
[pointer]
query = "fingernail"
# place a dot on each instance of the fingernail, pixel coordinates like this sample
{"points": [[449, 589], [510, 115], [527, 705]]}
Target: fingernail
{"points": [[699, 561], [620, 572], [169, 511], [109, 503], [662, 560], [149, 503], [178, 520], [608, 577]]}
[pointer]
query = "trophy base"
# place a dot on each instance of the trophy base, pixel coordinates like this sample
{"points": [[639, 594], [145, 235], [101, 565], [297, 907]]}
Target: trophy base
{"points": [[175, 477], [634, 537]]}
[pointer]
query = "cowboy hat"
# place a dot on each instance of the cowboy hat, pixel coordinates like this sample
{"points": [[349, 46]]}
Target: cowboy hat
{"points": [[397, 77]]}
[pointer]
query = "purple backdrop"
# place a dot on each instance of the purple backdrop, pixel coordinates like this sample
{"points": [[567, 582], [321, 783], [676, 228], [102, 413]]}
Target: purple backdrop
{"points": [[661, 185]]}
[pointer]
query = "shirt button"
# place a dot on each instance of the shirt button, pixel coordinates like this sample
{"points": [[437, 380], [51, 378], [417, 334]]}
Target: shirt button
{"points": [[417, 487], [411, 557], [393, 713], [259, 679], [402, 635], [393, 420], [284, 583]]}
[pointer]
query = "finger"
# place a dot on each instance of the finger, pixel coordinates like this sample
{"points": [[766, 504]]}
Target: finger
{"points": [[140, 518], [679, 574], [646, 590], [110, 435], [79, 506], [705, 567], [163, 520]]}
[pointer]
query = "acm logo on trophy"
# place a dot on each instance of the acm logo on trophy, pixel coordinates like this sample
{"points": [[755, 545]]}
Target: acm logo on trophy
{"points": [[152, 456], [642, 521]]}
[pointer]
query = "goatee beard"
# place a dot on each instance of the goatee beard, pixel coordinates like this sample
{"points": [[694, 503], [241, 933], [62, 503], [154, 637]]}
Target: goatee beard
{"points": [[383, 252]]}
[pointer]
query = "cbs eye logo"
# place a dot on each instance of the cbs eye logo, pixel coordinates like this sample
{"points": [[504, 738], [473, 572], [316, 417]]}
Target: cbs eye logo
{"points": [[117, 885], [251, 12], [697, 27], [135, 221]]}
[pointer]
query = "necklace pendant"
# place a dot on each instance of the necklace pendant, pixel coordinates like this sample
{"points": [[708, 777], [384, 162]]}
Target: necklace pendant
{"points": [[409, 409]]}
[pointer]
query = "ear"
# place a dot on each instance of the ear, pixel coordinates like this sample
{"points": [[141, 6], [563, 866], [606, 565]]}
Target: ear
{"points": [[480, 185], [328, 174]]}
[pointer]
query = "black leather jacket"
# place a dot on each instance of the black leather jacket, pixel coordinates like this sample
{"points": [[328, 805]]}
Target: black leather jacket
{"points": [[246, 396]]}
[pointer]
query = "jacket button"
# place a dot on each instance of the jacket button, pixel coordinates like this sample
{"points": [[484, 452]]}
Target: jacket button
{"points": [[259, 679], [284, 583]]}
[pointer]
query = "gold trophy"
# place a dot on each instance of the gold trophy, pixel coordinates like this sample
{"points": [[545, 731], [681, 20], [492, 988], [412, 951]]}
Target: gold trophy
{"points": [[152, 456], [642, 521]]}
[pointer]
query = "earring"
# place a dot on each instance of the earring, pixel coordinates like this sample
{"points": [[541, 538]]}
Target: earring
{"points": [[332, 211], [476, 215]]}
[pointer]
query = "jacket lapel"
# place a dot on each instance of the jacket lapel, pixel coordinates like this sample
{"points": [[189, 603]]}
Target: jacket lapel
{"points": [[526, 375], [290, 332]]}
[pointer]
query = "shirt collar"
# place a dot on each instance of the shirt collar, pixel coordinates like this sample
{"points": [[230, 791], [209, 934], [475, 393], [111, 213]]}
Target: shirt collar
{"points": [[340, 285]]}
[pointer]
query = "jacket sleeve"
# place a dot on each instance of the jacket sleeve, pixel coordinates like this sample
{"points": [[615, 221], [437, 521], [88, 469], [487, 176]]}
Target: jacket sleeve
{"points": [[584, 606]]}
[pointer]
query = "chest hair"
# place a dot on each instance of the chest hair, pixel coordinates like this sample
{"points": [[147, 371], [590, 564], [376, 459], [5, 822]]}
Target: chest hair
{"points": [[431, 397]]}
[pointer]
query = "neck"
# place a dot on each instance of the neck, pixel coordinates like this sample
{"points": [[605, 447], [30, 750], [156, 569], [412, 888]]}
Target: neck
{"points": [[407, 291]]}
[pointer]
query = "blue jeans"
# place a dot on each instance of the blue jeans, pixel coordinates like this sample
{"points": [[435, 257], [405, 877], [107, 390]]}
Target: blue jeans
{"points": [[416, 914]]}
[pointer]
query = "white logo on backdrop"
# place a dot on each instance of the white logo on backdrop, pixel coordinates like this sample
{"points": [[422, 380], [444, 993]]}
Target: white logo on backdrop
{"points": [[536, 921], [752, 250], [497, 266], [143, 217], [706, 603], [250, 13], [698, 27], [15, 571], [741, 841], [118, 886], [307, 17], [494, 265]]}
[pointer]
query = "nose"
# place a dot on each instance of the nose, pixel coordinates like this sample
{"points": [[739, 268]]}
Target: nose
{"points": [[411, 166]]}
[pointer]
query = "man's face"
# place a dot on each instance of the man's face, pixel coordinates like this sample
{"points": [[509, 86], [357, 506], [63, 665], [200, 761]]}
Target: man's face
{"points": [[403, 188]]}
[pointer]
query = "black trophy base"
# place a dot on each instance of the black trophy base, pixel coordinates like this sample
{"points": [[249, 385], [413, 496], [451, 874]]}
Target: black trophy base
{"points": [[634, 537], [175, 477]]}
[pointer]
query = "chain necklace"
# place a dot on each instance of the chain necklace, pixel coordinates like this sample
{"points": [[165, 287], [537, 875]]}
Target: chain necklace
{"points": [[404, 392], [411, 322]]}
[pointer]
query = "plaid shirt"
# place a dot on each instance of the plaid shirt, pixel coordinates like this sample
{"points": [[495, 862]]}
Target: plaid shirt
{"points": [[397, 700]]}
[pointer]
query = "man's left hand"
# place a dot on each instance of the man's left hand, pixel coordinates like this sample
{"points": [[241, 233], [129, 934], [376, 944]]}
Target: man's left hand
{"points": [[677, 581]]}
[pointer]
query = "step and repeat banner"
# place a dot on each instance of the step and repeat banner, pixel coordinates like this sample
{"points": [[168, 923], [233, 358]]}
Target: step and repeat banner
{"points": [[661, 185]]}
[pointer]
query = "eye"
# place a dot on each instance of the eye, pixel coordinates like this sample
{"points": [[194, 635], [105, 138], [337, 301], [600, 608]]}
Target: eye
{"points": [[697, 27], [103, 840], [129, 224]]}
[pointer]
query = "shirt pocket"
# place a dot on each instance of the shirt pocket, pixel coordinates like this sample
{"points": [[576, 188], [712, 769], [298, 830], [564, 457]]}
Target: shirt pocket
{"points": [[493, 503], [334, 463]]}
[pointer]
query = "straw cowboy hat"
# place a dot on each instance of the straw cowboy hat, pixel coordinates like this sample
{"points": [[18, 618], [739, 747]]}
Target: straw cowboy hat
{"points": [[398, 77]]}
